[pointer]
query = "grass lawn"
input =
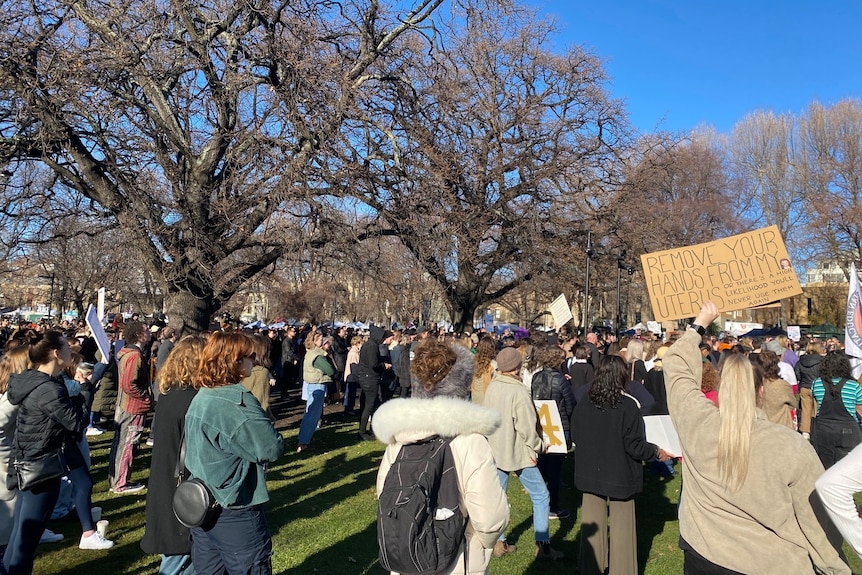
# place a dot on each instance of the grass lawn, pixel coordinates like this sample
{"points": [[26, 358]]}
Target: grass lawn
{"points": [[322, 517]]}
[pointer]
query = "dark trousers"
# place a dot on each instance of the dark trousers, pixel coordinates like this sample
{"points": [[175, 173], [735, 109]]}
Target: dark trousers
{"points": [[551, 467], [238, 544], [367, 403], [32, 509], [695, 564], [83, 496]]}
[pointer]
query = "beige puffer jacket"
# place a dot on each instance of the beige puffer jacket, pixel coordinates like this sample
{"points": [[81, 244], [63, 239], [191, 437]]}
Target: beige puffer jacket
{"points": [[401, 421]]}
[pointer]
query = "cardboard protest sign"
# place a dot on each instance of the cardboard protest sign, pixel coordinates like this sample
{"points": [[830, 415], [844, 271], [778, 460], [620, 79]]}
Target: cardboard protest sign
{"points": [[552, 425], [738, 272]]}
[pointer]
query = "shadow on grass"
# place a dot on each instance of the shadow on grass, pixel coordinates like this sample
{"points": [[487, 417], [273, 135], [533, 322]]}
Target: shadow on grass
{"points": [[662, 508]]}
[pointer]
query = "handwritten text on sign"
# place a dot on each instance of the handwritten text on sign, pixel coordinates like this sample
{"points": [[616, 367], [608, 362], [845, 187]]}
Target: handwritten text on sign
{"points": [[736, 273]]}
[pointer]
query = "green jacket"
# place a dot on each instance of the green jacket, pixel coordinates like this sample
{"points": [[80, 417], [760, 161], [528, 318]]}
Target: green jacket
{"points": [[229, 441]]}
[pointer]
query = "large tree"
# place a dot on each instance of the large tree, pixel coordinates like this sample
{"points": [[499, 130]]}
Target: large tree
{"points": [[486, 158], [191, 122]]}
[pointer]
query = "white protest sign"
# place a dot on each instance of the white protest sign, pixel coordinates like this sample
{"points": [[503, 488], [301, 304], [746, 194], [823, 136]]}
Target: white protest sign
{"points": [[552, 425], [561, 310], [660, 430]]}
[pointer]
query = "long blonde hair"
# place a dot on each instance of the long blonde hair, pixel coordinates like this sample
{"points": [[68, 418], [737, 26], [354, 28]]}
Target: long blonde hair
{"points": [[737, 400]]}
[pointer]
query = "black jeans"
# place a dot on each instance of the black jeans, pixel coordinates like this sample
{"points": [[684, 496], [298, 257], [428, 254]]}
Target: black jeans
{"points": [[367, 403], [551, 467]]}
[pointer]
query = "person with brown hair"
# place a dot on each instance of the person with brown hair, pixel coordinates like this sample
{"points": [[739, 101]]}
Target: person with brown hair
{"points": [[484, 366], [229, 442], [261, 380], [439, 406], [134, 402], [778, 397], [14, 360], [46, 416], [163, 534]]}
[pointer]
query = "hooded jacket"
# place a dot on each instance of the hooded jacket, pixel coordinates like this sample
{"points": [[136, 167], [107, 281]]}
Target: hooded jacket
{"points": [[484, 502], [46, 416], [808, 369], [370, 368]]}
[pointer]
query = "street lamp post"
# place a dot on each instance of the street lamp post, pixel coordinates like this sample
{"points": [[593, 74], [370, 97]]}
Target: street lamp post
{"points": [[620, 266], [590, 254]]}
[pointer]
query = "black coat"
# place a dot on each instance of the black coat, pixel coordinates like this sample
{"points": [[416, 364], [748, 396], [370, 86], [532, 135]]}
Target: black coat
{"points": [[163, 533], [610, 445], [581, 374], [808, 369], [47, 415]]}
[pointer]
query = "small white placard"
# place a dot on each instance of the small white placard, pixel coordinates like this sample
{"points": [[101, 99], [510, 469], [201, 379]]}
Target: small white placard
{"points": [[660, 430], [561, 310]]}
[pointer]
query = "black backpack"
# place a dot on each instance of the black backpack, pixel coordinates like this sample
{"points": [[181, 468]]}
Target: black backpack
{"points": [[834, 432], [420, 523]]}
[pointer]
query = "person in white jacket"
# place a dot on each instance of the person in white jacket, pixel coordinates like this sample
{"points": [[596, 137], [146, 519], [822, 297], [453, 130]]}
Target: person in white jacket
{"points": [[836, 488], [440, 406]]}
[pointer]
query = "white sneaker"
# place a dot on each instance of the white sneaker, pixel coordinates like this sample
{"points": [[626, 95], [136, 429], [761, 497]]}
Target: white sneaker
{"points": [[94, 431], [95, 541], [49, 536]]}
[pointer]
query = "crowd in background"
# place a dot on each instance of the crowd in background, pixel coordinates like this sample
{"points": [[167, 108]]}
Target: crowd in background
{"points": [[233, 384]]}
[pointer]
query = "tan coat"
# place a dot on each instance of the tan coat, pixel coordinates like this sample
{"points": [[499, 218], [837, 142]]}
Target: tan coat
{"points": [[778, 401], [401, 421], [517, 443], [768, 527]]}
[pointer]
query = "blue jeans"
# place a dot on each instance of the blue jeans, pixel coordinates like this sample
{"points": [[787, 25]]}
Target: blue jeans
{"points": [[239, 543], [313, 411], [32, 509], [176, 565], [533, 482]]}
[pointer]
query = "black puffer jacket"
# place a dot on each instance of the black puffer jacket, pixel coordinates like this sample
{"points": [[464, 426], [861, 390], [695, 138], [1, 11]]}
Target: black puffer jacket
{"points": [[808, 369], [47, 415], [550, 384]]}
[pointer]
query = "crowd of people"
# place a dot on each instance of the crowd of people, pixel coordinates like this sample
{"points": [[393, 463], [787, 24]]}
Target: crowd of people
{"points": [[754, 418]]}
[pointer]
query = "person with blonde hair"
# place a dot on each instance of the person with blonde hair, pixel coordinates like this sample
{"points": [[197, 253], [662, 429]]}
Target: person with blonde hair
{"points": [[15, 360], [748, 482], [317, 374], [634, 357], [163, 534]]}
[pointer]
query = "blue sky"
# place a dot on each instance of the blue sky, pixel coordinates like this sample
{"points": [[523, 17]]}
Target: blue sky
{"points": [[679, 64]]}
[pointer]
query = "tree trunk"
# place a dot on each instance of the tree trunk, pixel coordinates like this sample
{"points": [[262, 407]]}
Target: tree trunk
{"points": [[188, 313], [463, 313]]}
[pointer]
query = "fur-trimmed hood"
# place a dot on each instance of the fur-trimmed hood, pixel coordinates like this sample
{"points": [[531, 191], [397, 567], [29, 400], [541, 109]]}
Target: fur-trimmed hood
{"points": [[456, 383], [409, 420]]}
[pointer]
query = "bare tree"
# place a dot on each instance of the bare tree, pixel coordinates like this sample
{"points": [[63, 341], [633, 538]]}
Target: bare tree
{"points": [[485, 158], [831, 163], [191, 123]]}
